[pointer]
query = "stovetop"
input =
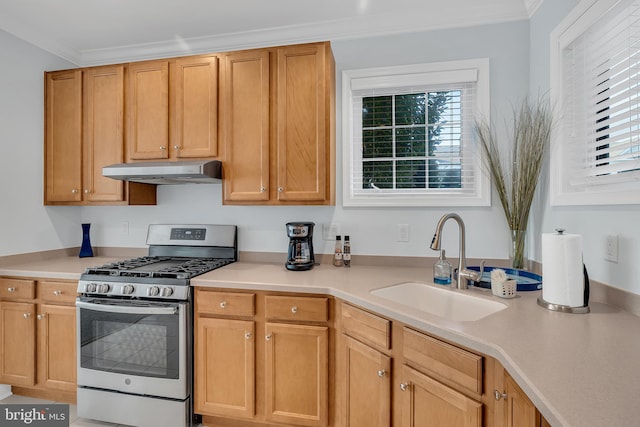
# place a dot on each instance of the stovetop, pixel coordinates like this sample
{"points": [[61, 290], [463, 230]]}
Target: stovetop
{"points": [[165, 267]]}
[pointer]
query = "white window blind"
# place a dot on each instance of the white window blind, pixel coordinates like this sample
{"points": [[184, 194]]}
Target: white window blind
{"points": [[599, 74], [410, 136]]}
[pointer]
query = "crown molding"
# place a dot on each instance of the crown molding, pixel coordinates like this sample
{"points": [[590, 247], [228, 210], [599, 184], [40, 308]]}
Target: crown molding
{"points": [[344, 29], [532, 6], [364, 26]]}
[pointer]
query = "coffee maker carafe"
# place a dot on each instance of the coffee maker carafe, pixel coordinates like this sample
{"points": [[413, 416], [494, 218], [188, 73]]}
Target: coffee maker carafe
{"points": [[300, 256]]}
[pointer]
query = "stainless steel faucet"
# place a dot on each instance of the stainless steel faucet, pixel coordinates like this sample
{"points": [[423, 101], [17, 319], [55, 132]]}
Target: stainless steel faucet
{"points": [[462, 279]]}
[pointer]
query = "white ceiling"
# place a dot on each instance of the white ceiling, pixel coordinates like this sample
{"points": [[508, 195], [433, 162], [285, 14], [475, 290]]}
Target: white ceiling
{"points": [[89, 32]]}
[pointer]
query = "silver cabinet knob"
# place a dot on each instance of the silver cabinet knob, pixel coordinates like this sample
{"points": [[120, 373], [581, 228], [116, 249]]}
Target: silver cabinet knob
{"points": [[10, 290], [87, 191], [177, 147], [499, 395], [26, 315], [40, 316], [280, 189], [263, 189], [404, 386], [74, 191], [57, 293], [268, 337], [162, 147], [382, 373], [223, 304], [247, 335], [294, 309]]}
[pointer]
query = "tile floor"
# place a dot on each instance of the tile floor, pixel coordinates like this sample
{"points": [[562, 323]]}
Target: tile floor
{"points": [[74, 420]]}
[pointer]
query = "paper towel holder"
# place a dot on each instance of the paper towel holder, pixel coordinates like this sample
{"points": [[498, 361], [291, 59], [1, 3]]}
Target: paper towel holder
{"points": [[565, 308]]}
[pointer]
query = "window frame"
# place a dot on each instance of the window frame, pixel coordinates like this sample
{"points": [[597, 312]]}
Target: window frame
{"points": [[563, 190], [437, 73]]}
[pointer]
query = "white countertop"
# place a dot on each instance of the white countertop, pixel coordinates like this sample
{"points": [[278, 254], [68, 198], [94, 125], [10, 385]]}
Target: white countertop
{"points": [[578, 369]]}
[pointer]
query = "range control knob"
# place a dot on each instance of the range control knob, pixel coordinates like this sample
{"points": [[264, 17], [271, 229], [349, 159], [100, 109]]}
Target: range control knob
{"points": [[103, 288], [127, 289], [153, 291], [90, 288], [167, 292]]}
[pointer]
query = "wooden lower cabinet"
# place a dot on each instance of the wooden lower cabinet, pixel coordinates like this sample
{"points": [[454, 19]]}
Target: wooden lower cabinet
{"points": [[261, 359], [368, 386], [428, 403], [225, 367], [513, 408], [18, 343], [56, 326], [38, 338], [297, 374]]}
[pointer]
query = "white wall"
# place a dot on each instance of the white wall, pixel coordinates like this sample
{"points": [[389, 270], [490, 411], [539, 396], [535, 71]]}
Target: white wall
{"points": [[594, 223], [25, 224]]}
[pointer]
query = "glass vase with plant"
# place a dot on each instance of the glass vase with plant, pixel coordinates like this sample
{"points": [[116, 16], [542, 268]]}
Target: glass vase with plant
{"points": [[516, 173]]}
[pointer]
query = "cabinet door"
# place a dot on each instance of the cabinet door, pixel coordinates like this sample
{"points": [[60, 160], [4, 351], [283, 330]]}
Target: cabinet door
{"points": [[57, 347], [296, 374], [103, 132], [368, 386], [301, 120], [428, 403], [195, 107], [225, 367], [147, 94], [245, 125], [63, 136], [520, 411], [17, 343]]}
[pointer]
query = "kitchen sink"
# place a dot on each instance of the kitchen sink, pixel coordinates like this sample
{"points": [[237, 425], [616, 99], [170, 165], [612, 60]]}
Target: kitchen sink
{"points": [[446, 303]]}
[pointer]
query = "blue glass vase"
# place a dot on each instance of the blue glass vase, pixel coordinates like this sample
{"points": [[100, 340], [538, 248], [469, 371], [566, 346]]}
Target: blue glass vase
{"points": [[85, 250]]}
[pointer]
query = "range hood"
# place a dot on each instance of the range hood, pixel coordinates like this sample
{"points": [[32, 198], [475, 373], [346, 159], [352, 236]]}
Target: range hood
{"points": [[179, 172]]}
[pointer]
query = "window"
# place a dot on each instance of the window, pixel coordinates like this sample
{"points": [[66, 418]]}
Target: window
{"points": [[408, 135], [596, 84]]}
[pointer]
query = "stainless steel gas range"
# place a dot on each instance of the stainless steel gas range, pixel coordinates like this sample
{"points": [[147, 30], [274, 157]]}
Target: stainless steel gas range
{"points": [[135, 327]]}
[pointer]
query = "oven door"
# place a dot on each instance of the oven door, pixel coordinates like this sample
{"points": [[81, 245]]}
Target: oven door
{"points": [[134, 346]]}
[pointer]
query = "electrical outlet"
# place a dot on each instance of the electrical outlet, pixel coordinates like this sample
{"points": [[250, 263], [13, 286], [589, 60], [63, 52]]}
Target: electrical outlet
{"points": [[403, 232], [611, 253], [330, 231], [124, 228]]}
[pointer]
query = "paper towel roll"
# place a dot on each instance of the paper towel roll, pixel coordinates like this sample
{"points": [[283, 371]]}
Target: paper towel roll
{"points": [[562, 269]]}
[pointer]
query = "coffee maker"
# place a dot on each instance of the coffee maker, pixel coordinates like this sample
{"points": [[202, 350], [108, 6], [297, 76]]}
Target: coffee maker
{"points": [[300, 256]]}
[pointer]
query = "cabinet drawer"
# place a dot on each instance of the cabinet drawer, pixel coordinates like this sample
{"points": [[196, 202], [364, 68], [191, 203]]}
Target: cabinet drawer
{"points": [[226, 303], [17, 288], [57, 292], [366, 327], [307, 309], [443, 361]]}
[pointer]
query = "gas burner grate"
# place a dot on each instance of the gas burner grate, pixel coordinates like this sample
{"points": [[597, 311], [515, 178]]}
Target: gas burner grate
{"points": [[159, 267]]}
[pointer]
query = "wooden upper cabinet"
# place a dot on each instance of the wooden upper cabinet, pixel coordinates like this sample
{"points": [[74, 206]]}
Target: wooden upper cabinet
{"points": [[278, 108], [103, 131], [194, 98], [301, 124], [84, 131], [63, 136], [245, 125], [148, 110]]}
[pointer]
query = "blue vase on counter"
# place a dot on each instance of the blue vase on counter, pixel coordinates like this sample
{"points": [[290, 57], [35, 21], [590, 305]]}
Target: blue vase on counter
{"points": [[85, 250]]}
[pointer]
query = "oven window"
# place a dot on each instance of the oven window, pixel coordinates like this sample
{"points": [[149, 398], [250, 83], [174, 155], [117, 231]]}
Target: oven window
{"points": [[136, 344]]}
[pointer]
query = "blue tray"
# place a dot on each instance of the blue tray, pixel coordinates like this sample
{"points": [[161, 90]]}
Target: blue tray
{"points": [[525, 280]]}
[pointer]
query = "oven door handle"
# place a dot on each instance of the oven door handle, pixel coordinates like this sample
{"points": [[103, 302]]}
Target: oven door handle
{"points": [[128, 309]]}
